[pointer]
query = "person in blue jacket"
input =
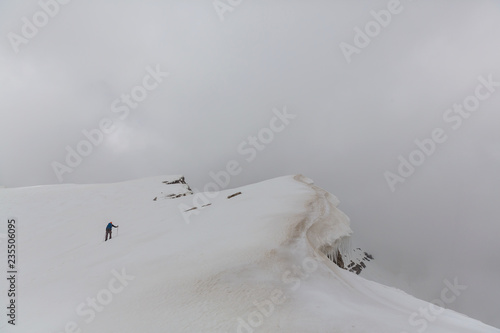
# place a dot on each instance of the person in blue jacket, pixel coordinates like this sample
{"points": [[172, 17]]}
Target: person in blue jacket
{"points": [[109, 227]]}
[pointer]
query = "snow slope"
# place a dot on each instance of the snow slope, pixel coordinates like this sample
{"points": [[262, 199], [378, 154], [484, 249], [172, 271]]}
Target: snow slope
{"points": [[251, 263]]}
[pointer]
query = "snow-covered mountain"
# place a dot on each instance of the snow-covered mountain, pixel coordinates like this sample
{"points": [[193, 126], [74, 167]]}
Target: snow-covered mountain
{"points": [[252, 259]]}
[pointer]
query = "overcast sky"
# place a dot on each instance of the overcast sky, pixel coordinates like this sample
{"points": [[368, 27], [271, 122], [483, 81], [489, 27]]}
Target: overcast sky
{"points": [[355, 103]]}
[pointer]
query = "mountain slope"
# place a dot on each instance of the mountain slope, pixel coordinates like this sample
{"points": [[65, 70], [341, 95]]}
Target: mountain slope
{"points": [[252, 262]]}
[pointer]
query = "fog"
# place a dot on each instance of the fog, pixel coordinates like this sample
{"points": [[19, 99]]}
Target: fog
{"points": [[274, 86]]}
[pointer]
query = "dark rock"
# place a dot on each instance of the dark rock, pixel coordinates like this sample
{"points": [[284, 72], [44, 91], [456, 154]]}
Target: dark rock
{"points": [[233, 195]]}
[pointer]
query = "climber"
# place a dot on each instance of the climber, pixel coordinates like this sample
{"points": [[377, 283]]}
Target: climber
{"points": [[109, 227]]}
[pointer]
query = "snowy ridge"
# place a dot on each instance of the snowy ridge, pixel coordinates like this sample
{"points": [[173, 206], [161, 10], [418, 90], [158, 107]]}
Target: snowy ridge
{"points": [[253, 263], [330, 226], [330, 230]]}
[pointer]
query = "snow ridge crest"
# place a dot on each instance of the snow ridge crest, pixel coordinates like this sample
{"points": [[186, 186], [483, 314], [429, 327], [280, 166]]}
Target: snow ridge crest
{"points": [[329, 228]]}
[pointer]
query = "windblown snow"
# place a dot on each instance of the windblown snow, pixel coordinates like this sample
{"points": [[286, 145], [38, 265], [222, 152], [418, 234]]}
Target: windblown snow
{"points": [[209, 262]]}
